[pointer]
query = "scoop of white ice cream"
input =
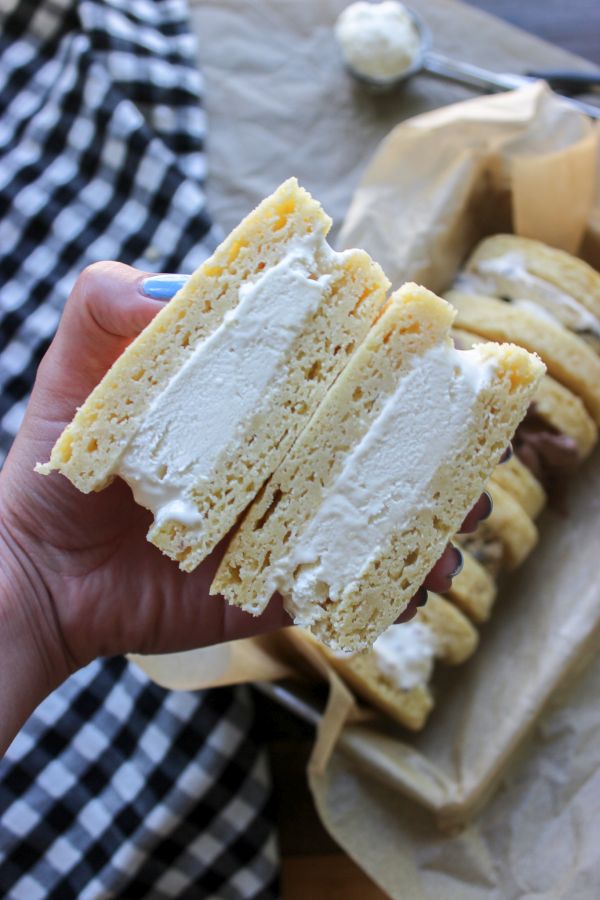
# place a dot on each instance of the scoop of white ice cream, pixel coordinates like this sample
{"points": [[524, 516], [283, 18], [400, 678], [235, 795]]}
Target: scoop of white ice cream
{"points": [[405, 653], [378, 40]]}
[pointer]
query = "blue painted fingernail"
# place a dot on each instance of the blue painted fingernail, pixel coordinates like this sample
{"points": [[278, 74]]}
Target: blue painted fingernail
{"points": [[163, 287]]}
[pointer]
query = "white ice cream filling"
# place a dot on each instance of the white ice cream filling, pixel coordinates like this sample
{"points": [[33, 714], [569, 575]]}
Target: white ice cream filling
{"points": [[378, 40], [406, 653], [384, 480], [553, 304], [224, 384]]}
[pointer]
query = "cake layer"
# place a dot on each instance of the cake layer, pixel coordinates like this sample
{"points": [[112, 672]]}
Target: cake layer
{"points": [[202, 407], [506, 538], [455, 638], [569, 359], [382, 477], [515, 478], [565, 413]]}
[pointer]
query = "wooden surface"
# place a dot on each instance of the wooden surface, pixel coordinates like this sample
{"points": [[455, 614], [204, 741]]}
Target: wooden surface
{"points": [[313, 866]]}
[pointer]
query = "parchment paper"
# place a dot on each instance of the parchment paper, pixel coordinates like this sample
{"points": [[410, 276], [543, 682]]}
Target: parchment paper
{"points": [[278, 101], [252, 659], [279, 104], [521, 161]]}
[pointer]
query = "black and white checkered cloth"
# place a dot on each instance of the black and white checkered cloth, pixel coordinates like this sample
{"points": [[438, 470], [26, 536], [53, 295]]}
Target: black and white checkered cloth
{"points": [[115, 787], [101, 157]]}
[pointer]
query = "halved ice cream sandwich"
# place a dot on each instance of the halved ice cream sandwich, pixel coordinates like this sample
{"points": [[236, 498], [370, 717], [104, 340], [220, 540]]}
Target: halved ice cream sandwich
{"points": [[394, 675], [559, 411], [512, 475], [204, 405], [499, 543], [533, 276], [382, 477]]}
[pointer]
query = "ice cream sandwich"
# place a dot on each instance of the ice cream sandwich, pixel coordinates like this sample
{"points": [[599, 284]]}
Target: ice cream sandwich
{"points": [[514, 477], [569, 359], [474, 590], [545, 280], [395, 674], [556, 434], [506, 538], [381, 478]]}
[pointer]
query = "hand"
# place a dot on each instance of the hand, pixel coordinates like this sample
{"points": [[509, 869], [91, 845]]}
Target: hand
{"points": [[80, 575], [109, 590], [451, 562]]}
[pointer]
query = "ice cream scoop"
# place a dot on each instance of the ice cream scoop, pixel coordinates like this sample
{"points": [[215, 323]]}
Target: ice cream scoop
{"points": [[384, 44]]}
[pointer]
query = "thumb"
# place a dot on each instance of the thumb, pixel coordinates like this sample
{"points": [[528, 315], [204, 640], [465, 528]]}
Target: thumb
{"points": [[103, 314]]}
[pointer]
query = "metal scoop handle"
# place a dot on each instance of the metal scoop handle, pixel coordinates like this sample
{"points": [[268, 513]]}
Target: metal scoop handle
{"points": [[483, 79]]}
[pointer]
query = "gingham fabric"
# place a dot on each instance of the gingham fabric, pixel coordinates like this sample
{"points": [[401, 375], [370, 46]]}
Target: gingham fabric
{"points": [[115, 787], [101, 157]]}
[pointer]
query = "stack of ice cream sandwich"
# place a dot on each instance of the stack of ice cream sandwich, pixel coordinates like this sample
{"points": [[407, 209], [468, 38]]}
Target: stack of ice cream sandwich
{"points": [[547, 301], [519, 290]]}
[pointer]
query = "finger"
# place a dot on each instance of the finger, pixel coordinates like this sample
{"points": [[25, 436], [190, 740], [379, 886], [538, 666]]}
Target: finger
{"points": [[174, 611], [447, 567], [105, 311], [419, 600], [439, 580], [508, 454], [219, 623], [482, 510]]}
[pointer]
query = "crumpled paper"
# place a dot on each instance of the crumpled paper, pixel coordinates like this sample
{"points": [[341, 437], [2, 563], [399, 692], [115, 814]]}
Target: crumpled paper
{"points": [[521, 161]]}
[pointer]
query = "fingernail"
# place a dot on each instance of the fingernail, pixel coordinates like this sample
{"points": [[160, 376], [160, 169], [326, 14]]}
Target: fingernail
{"points": [[408, 614], [508, 454], [421, 596], [490, 504], [162, 287], [460, 561]]}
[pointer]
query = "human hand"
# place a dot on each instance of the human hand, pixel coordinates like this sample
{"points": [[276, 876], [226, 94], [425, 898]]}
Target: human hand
{"points": [[106, 590], [451, 562], [98, 586]]}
